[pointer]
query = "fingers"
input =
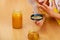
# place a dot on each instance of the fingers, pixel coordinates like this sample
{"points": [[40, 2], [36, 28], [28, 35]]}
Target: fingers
{"points": [[43, 7], [46, 8], [40, 23], [46, 2]]}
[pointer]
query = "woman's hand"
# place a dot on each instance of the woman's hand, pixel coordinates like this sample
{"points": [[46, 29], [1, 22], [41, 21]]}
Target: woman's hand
{"points": [[40, 23], [50, 10]]}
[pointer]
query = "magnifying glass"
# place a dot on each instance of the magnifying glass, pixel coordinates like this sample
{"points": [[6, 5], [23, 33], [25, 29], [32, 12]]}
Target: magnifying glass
{"points": [[37, 17]]}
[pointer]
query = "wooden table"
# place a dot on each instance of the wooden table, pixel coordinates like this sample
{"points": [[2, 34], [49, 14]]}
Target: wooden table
{"points": [[49, 31]]}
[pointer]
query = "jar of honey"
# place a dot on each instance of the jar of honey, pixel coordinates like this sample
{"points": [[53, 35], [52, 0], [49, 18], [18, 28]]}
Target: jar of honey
{"points": [[33, 36], [17, 19]]}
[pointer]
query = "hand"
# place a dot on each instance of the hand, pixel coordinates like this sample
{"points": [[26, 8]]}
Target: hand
{"points": [[50, 10], [40, 23]]}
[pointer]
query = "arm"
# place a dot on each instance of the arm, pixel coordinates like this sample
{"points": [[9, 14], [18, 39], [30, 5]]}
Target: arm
{"points": [[54, 14]]}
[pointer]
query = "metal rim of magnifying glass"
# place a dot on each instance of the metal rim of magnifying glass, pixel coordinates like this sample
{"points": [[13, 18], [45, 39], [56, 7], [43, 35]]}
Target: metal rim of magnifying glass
{"points": [[37, 15]]}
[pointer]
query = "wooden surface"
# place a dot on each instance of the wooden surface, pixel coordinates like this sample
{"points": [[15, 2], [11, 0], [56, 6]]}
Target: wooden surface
{"points": [[49, 31]]}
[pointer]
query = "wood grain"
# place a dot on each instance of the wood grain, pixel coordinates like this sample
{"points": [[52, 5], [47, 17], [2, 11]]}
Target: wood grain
{"points": [[49, 31]]}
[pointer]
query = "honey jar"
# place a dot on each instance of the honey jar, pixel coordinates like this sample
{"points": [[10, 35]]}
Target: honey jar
{"points": [[17, 19], [33, 36]]}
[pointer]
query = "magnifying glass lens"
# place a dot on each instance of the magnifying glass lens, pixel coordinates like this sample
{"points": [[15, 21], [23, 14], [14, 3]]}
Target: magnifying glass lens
{"points": [[37, 17]]}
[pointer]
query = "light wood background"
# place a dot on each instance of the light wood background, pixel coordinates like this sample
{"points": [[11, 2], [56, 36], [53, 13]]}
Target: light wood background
{"points": [[49, 31]]}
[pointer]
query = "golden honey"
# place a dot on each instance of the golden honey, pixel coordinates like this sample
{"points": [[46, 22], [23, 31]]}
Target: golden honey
{"points": [[17, 20], [33, 36]]}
